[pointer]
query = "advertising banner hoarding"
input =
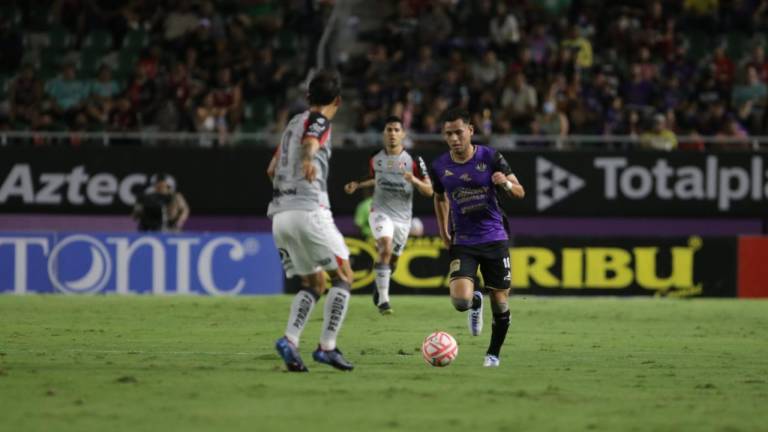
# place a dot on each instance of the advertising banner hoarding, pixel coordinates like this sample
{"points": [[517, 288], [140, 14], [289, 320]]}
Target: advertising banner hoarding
{"points": [[232, 181], [643, 266], [89, 263]]}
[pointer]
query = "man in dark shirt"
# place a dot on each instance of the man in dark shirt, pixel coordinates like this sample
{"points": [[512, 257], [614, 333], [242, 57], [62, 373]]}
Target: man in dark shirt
{"points": [[161, 209], [472, 224]]}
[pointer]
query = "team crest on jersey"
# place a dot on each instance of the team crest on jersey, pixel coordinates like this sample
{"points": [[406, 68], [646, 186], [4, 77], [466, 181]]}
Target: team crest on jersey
{"points": [[321, 120], [481, 167], [401, 165], [465, 177], [378, 163], [447, 173]]}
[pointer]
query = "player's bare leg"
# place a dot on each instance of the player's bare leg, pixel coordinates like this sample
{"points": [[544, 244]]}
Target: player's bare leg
{"points": [[336, 304], [383, 270], [464, 297], [500, 308]]}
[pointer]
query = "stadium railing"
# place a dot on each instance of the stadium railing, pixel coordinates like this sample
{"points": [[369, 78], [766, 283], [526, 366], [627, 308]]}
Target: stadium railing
{"points": [[371, 140]]}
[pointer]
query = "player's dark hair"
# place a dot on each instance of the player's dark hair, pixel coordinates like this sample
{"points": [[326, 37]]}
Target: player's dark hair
{"points": [[453, 114], [324, 87], [393, 119]]}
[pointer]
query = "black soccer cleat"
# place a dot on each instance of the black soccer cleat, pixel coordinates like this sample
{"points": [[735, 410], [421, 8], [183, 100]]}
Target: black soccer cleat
{"points": [[386, 309], [333, 358], [290, 355]]}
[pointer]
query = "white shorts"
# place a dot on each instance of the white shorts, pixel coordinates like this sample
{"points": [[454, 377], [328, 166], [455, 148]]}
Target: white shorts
{"points": [[383, 226], [308, 241]]}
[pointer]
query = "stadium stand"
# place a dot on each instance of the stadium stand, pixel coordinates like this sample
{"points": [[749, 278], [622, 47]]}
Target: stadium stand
{"points": [[652, 72]]}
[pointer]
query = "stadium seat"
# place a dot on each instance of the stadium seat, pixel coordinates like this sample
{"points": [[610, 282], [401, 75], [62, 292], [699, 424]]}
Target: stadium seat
{"points": [[59, 38], [135, 40], [5, 84], [258, 114], [99, 40], [90, 60]]}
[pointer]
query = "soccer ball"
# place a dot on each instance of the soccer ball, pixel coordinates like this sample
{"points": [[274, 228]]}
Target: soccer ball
{"points": [[439, 349]]}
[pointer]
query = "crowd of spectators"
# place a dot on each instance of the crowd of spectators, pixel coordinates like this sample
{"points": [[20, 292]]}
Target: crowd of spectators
{"points": [[655, 70], [652, 69], [213, 66]]}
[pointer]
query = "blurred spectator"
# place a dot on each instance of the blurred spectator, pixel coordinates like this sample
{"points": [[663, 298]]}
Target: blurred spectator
{"points": [[490, 70], [228, 97], [732, 135], [580, 47], [104, 86], [144, 95], [26, 97], [210, 118], [660, 137], [519, 101], [67, 94], [505, 29], [435, 26], [749, 99], [550, 122], [758, 61]]}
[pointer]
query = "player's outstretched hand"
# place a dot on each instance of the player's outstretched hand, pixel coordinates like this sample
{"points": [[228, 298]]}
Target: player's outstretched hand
{"points": [[310, 171], [351, 187], [499, 178]]}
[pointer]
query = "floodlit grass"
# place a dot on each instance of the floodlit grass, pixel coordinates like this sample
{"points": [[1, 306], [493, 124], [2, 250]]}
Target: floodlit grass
{"points": [[208, 364]]}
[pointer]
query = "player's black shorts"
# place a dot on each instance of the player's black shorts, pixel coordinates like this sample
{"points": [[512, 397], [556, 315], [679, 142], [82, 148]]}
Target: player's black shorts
{"points": [[493, 259]]}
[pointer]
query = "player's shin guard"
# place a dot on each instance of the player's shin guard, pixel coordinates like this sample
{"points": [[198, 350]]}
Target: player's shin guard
{"points": [[335, 310], [383, 273], [301, 308], [499, 328]]}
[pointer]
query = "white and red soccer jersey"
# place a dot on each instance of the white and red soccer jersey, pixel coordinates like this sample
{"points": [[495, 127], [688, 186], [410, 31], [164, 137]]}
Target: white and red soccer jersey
{"points": [[393, 195], [291, 191]]}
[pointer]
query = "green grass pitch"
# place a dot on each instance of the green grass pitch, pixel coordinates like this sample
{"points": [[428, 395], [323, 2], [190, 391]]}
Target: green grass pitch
{"points": [[208, 364]]}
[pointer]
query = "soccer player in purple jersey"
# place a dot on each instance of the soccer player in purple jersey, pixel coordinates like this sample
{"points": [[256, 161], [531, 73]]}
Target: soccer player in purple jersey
{"points": [[466, 182]]}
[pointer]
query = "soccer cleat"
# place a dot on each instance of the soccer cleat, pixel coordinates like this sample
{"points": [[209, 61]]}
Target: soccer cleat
{"points": [[491, 361], [475, 318], [333, 358], [290, 355], [386, 309]]}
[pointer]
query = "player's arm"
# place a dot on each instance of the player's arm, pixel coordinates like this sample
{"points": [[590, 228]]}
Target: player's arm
{"points": [[419, 178], [183, 209], [441, 211], [354, 185], [367, 182], [314, 137], [309, 146], [441, 208], [503, 177]]}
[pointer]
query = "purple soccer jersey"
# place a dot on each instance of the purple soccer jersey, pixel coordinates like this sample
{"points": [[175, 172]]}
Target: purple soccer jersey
{"points": [[475, 214]]}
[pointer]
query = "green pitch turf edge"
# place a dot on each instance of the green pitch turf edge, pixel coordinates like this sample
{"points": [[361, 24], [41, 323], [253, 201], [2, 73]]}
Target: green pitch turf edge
{"points": [[107, 363]]}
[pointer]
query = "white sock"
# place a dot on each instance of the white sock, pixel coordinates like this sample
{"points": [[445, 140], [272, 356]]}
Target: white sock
{"points": [[335, 309], [383, 272], [301, 308]]}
